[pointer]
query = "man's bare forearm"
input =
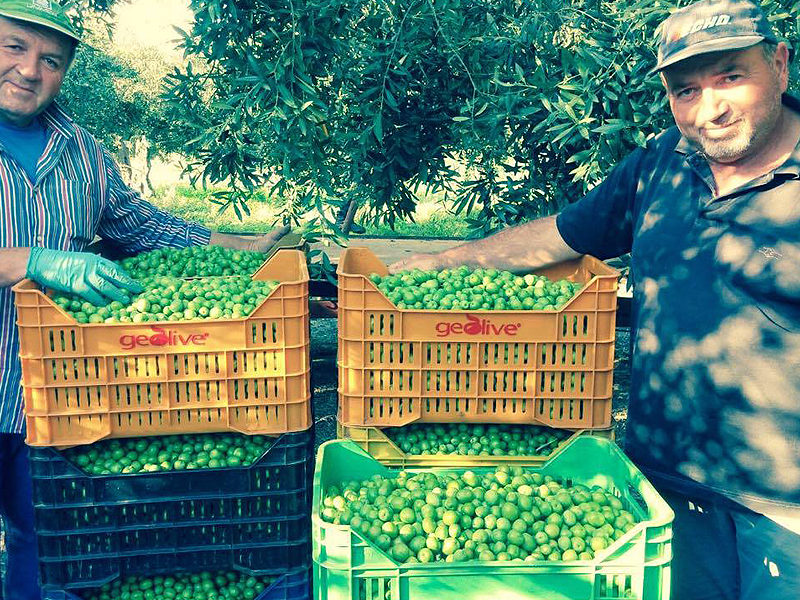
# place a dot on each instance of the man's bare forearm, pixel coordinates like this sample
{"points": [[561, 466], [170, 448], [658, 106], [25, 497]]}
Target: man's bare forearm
{"points": [[229, 240], [13, 265], [522, 248], [259, 243]]}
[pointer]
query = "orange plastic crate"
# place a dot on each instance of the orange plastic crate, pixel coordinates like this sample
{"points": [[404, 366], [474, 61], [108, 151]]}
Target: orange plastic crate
{"points": [[381, 447], [397, 366], [86, 382]]}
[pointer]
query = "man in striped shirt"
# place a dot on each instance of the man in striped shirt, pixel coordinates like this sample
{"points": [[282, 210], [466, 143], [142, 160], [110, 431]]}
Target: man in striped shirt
{"points": [[59, 188]]}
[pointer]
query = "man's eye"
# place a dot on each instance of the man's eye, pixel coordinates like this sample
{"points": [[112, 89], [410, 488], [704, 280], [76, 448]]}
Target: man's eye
{"points": [[732, 77], [684, 93]]}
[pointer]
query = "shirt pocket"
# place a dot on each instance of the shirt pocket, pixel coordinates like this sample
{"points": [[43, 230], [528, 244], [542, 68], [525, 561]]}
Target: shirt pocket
{"points": [[71, 213], [757, 248]]}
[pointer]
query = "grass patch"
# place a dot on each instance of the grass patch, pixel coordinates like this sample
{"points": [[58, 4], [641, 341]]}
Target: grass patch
{"points": [[435, 225], [193, 204]]}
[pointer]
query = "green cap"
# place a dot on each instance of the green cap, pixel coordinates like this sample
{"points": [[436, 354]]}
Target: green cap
{"points": [[47, 13]]}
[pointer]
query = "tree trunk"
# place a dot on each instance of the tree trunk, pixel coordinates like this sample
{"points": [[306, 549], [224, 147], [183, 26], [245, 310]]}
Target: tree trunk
{"points": [[123, 156], [150, 156]]}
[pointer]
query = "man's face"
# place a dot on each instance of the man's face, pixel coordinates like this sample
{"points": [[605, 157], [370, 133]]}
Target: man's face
{"points": [[33, 63], [728, 103]]}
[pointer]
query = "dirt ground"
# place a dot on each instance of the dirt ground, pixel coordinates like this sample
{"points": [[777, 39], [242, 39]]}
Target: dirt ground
{"points": [[390, 250]]}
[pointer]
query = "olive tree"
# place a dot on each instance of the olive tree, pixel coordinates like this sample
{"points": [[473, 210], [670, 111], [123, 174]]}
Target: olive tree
{"points": [[512, 108]]}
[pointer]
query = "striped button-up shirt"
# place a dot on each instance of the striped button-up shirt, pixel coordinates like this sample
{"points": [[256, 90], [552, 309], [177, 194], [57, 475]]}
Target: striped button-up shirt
{"points": [[78, 193]]}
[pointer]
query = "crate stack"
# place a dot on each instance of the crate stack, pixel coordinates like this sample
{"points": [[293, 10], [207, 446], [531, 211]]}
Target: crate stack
{"points": [[86, 383], [552, 368]]}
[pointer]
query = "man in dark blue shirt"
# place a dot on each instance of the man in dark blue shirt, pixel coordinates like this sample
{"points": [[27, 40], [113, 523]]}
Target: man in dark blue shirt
{"points": [[710, 212]]}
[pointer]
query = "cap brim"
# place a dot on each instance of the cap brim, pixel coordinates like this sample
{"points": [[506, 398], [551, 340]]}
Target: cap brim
{"points": [[29, 19], [718, 45]]}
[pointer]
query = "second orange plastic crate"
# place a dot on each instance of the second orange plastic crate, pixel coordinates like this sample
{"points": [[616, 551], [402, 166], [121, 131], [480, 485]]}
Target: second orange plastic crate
{"points": [[86, 382], [398, 366]]}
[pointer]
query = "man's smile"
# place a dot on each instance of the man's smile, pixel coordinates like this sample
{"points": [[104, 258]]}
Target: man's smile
{"points": [[19, 88], [719, 131]]}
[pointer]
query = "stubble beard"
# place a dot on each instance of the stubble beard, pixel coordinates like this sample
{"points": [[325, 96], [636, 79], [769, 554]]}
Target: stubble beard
{"points": [[751, 137]]}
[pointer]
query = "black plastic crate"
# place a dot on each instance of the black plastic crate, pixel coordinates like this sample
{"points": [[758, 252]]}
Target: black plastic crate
{"points": [[92, 529], [88, 573], [292, 586], [295, 585], [57, 482], [233, 533]]}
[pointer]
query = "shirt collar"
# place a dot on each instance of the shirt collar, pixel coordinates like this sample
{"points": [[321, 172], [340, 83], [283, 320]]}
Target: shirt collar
{"points": [[792, 164], [56, 119], [684, 146]]}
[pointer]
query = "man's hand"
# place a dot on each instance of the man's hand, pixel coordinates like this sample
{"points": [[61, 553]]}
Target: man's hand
{"points": [[520, 249], [264, 243], [89, 276], [426, 262], [324, 309], [261, 243]]}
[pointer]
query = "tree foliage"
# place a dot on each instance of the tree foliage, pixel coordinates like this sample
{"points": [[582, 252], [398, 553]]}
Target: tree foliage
{"points": [[115, 91], [93, 95], [514, 108], [107, 91], [82, 11]]}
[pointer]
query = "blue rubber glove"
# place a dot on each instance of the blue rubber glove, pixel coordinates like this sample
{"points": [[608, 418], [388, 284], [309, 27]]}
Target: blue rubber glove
{"points": [[87, 275]]}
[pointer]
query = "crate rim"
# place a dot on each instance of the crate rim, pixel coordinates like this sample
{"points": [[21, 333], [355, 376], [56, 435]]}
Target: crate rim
{"points": [[185, 550], [583, 259], [289, 492], [30, 286], [81, 473], [523, 461], [368, 252]]}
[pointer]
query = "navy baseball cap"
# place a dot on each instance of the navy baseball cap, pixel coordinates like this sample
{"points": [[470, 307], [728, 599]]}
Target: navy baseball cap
{"points": [[711, 26]]}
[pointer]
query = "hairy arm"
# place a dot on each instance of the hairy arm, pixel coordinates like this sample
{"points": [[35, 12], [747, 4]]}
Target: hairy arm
{"points": [[13, 265], [522, 248], [260, 243]]}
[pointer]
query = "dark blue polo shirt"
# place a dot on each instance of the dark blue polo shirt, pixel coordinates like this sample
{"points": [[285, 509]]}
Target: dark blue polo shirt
{"points": [[715, 382]]}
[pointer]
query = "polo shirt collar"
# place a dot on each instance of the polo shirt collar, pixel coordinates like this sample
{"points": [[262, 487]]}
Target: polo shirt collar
{"points": [[792, 165], [684, 146]]}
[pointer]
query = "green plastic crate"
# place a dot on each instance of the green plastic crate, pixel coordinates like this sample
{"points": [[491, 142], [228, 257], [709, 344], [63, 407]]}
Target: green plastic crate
{"points": [[348, 567]]}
